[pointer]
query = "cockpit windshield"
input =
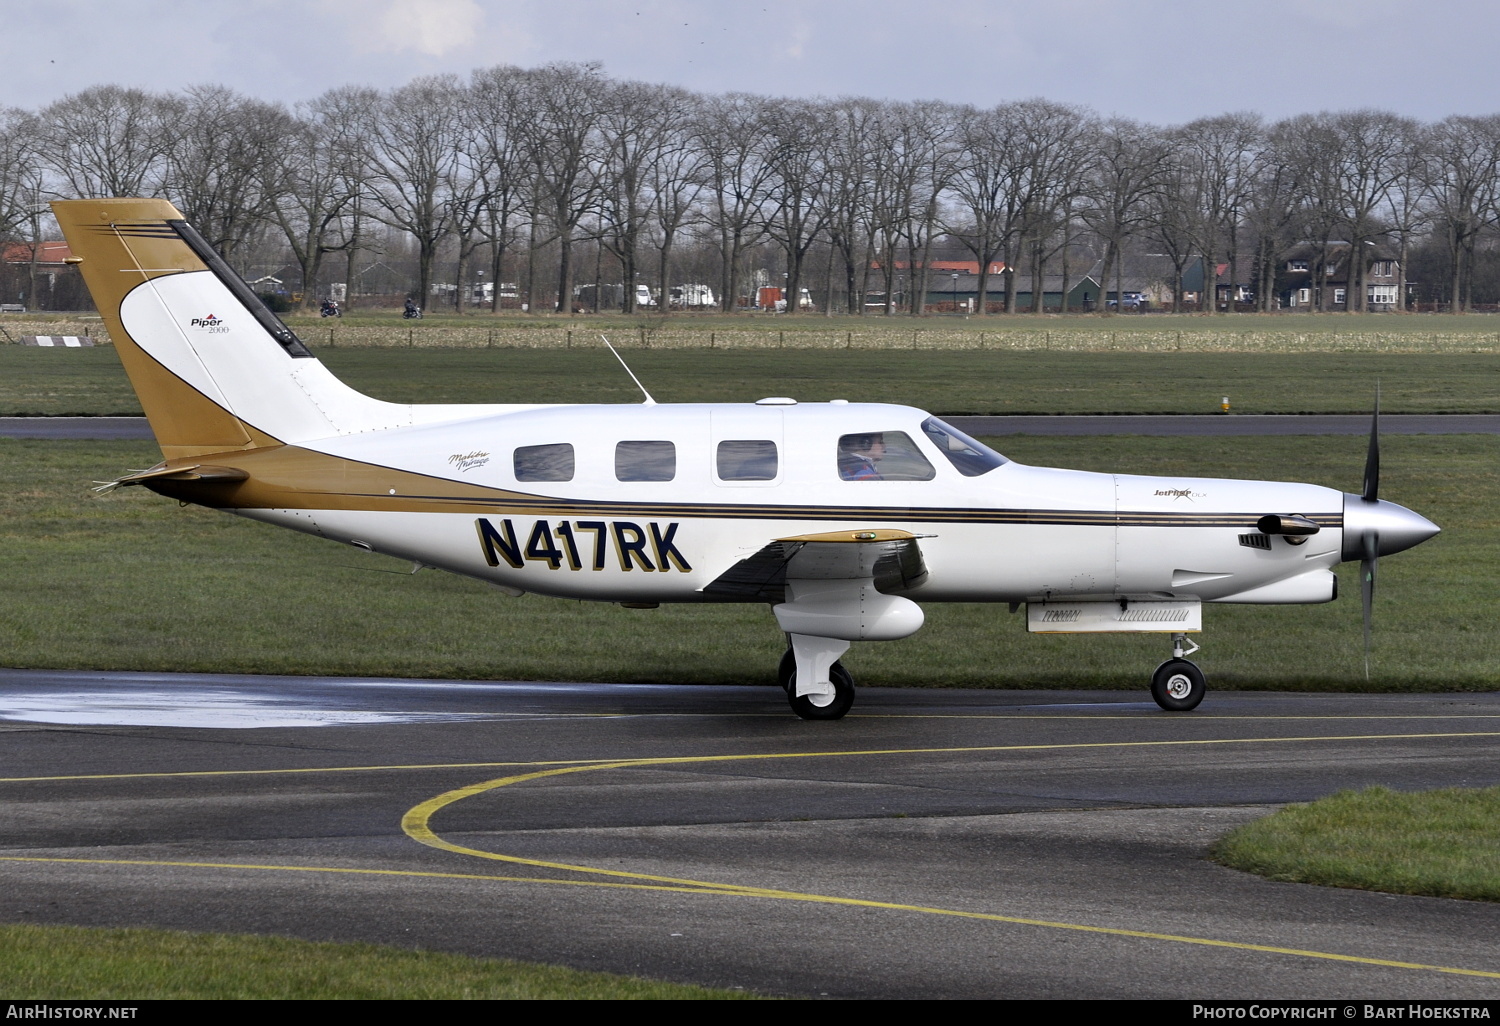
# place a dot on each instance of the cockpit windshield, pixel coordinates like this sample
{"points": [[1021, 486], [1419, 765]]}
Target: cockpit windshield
{"points": [[971, 458]]}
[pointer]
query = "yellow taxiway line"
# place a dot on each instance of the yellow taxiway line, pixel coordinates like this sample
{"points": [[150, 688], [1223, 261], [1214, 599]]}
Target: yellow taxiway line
{"points": [[417, 825], [732, 892], [654, 760]]}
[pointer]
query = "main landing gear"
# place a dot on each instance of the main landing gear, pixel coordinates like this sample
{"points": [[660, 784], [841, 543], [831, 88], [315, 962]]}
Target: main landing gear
{"points": [[817, 706], [1178, 684]]}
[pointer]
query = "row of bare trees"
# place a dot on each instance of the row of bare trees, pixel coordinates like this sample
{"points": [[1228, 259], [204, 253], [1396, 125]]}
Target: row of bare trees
{"points": [[515, 163]]}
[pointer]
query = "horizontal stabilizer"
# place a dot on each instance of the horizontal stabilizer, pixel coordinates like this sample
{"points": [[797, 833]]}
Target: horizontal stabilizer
{"points": [[179, 472]]}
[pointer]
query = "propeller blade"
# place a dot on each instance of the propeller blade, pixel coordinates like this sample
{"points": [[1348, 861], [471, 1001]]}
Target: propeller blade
{"points": [[1372, 457], [1371, 546]]}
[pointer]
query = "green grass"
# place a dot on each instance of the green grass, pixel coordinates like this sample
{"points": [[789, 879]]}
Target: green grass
{"points": [[64, 962], [91, 382], [1441, 843], [436, 318], [439, 320], [132, 581]]}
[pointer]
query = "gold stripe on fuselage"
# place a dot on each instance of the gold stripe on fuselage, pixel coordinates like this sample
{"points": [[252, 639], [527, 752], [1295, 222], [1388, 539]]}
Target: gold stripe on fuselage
{"points": [[293, 477]]}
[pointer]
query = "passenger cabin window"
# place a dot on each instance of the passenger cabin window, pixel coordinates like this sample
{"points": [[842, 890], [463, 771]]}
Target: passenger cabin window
{"points": [[882, 456], [544, 462], [969, 458], [645, 461], [747, 459]]}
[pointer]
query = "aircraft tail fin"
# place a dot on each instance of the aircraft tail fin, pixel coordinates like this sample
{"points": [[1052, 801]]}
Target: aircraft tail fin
{"points": [[214, 368]]}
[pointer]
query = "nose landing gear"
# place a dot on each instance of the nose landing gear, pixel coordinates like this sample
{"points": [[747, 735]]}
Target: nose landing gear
{"points": [[1178, 684], [818, 706]]}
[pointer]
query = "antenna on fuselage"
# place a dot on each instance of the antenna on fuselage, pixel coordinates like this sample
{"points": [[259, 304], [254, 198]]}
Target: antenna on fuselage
{"points": [[649, 401]]}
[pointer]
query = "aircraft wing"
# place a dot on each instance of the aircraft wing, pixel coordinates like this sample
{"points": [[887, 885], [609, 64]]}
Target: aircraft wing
{"points": [[893, 559]]}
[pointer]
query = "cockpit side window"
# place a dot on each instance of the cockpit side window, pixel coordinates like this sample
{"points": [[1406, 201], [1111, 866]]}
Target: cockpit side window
{"points": [[969, 457], [645, 461], [882, 456], [552, 462]]}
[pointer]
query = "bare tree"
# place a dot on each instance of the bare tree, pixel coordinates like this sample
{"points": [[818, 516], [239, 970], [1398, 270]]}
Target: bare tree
{"points": [[1218, 154], [566, 103], [1128, 170], [906, 142], [469, 180], [1173, 220], [416, 145], [1311, 145], [729, 130], [1272, 208], [498, 117], [20, 169], [639, 122], [1372, 148], [218, 165], [1409, 213], [107, 141], [676, 177], [1464, 158], [798, 183], [854, 180], [929, 139], [1054, 158], [990, 183], [316, 175]]}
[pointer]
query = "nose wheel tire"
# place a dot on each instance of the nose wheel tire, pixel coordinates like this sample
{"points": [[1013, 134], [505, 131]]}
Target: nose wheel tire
{"points": [[1178, 685], [833, 706]]}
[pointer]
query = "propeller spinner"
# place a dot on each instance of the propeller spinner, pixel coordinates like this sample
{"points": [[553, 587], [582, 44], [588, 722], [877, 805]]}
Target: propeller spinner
{"points": [[1375, 528]]}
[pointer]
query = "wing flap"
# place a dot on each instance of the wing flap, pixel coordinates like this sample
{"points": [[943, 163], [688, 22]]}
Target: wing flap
{"points": [[893, 559]]}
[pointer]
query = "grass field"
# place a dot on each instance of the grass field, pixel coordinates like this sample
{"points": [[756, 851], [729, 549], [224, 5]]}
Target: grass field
{"points": [[874, 330], [91, 382], [132, 581], [1441, 843], [1273, 333], [75, 963]]}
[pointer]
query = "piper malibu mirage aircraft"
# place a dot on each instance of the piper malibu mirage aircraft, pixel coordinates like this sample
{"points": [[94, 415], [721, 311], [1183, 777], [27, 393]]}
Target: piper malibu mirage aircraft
{"points": [[839, 515]]}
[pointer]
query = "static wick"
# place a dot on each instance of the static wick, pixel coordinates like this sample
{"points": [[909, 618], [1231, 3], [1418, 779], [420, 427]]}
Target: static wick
{"points": [[649, 401]]}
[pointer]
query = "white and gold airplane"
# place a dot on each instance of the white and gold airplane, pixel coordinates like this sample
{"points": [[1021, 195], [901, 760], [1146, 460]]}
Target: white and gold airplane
{"points": [[841, 516]]}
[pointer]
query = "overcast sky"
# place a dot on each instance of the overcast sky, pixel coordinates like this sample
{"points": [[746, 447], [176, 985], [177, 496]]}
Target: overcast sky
{"points": [[1162, 61]]}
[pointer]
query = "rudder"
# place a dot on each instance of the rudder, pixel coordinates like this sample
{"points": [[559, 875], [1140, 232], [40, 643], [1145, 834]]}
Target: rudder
{"points": [[215, 369]]}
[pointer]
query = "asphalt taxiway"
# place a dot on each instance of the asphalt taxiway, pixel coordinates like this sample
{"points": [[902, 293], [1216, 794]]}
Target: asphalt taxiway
{"points": [[932, 844]]}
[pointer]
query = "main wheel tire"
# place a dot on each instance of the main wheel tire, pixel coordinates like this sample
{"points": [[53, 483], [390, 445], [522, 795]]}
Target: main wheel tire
{"points": [[786, 673], [837, 706], [1178, 685]]}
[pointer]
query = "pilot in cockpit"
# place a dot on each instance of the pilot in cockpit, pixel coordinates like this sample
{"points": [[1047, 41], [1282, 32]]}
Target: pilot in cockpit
{"points": [[860, 455]]}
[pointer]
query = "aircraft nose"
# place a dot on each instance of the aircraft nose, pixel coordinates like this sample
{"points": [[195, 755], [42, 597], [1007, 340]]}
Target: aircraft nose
{"points": [[1396, 527]]}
